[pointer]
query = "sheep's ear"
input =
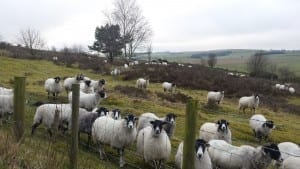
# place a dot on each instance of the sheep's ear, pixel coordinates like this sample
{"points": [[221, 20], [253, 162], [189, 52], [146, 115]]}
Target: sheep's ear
{"points": [[274, 127], [227, 123], [218, 122], [152, 122], [136, 118], [126, 118], [207, 145]]}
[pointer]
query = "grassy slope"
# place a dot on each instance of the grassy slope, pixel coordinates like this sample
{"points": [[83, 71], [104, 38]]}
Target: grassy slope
{"points": [[38, 146]]}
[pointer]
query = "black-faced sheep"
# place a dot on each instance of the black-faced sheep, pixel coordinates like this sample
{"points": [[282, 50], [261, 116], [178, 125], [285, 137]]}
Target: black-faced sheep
{"points": [[261, 126], [89, 101], [249, 102], [53, 85], [220, 130], [68, 82]]}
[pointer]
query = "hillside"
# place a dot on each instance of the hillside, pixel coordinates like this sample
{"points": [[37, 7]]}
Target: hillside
{"points": [[39, 151]]}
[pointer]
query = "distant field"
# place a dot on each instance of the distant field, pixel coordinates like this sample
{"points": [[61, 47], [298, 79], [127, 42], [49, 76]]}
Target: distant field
{"points": [[236, 61]]}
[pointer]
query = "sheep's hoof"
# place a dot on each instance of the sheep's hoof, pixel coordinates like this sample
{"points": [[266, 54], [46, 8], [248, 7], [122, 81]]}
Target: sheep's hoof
{"points": [[122, 164]]}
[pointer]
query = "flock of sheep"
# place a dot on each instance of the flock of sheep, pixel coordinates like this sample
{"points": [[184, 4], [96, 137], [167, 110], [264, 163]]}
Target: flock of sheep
{"points": [[153, 134]]}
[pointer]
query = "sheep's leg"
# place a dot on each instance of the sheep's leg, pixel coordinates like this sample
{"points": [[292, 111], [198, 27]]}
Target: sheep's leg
{"points": [[244, 110], [101, 151], [122, 162], [48, 95], [50, 132], [89, 139], [155, 164], [254, 133], [34, 126]]}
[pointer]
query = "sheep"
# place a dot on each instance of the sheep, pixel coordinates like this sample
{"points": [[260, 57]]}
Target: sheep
{"points": [[98, 85], [202, 159], [142, 83], [125, 66], [72, 80], [261, 126], [53, 85], [251, 102], [169, 87], [215, 97], [6, 105], [289, 149], [277, 86], [170, 118], [291, 90], [115, 114], [291, 163], [86, 87], [154, 144], [89, 101], [283, 87], [87, 120], [228, 156], [115, 72], [220, 131], [46, 114], [5, 91], [117, 133]]}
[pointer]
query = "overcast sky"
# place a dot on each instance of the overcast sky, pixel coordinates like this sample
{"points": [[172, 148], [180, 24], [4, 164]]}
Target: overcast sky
{"points": [[178, 25]]}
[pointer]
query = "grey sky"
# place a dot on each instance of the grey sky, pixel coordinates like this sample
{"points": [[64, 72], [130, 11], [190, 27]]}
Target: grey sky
{"points": [[178, 25]]}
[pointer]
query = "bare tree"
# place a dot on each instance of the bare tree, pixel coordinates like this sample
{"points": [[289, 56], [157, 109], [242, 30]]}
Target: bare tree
{"points": [[257, 64], [135, 29], [31, 39], [212, 60], [77, 49], [149, 52]]}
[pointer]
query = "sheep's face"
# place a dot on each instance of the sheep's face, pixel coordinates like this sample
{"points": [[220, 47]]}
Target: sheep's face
{"points": [[102, 94], [173, 85], [222, 93], [157, 126], [87, 83], [171, 118], [200, 146], [79, 77], [101, 82], [272, 150], [256, 98], [131, 120], [223, 125], [116, 114], [102, 111], [269, 124], [57, 79]]}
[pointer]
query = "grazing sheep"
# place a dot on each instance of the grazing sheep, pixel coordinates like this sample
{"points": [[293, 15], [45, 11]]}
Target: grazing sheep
{"points": [[46, 114], [289, 149], [142, 83], [98, 85], [202, 159], [227, 156], [118, 133], [291, 163], [169, 87], [169, 127], [89, 101], [5, 91], [154, 144], [86, 87], [115, 114], [261, 126], [283, 87], [115, 72], [68, 82], [53, 85], [220, 131], [277, 86], [125, 66], [215, 97], [87, 120], [251, 102], [6, 105], [291, 90]]}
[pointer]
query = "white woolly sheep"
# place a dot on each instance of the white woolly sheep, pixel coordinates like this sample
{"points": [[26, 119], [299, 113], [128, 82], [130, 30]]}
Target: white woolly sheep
{"points": [[117, 133], [202, 159], [169, 87], [5, 91], [283, 87], [115, 72], [289, 149], [125, 66], [169, 127], [86, 87], [6, 105], [87, 120], [227, 156], [46, 114], [291, 163], [154, 144], [53, 85], [142, 83], [68, 82], [215, 97], [98, 85], [220, 131], [89, 101], [277, 86], [251, 102], [291, 90], [261, 126], [115, 114]]}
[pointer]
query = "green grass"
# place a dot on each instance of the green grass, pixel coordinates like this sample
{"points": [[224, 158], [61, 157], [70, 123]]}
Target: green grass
{"points": [[39, 150]]}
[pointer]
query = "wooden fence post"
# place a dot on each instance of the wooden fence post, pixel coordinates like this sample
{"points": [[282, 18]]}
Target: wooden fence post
{"points": [[189, 138], [74, 134], [19, 106]]}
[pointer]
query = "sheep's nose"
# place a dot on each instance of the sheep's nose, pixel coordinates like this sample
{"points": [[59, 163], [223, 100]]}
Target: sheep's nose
{"points": [[280, 160], [157, 131], [199, 155]]}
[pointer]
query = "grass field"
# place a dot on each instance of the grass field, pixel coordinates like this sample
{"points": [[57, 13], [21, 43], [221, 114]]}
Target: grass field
{"points": [[39, 151]]}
